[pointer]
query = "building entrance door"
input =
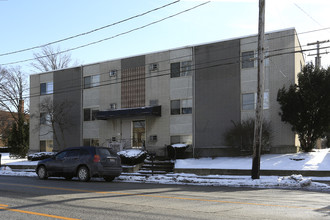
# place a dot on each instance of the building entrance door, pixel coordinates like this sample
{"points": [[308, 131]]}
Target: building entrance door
{"points": [[139, 133]]}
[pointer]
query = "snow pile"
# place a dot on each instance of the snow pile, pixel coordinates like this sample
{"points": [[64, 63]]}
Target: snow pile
{"points": [[294, 180], [5, 169], [131, 153], [40, 156], [179, 145], [132, 157]]}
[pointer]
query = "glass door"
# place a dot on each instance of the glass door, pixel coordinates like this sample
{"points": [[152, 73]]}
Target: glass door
{"points": [[139, 133]]}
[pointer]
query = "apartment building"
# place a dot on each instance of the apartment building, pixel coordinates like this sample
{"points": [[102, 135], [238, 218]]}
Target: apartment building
{"points": [[187, 95]]}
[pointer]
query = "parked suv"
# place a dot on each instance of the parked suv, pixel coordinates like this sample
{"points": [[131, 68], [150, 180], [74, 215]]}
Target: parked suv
{"points": [[81, 162]]}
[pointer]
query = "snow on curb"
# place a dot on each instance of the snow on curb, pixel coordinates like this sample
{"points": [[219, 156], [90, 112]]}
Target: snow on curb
{"points": [[290, 182]]}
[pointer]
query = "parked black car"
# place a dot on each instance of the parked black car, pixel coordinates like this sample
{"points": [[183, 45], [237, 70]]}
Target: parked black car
{"points": [[81, 162]]}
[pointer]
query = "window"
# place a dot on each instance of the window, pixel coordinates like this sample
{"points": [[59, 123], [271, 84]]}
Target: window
{"points": [[91, 142], [153, 67], [184, 139], [181, 69], [175, 139], [113, 106], [181, 106], [266, 58], [175, 107], [72, 154], [91, 81], [248, 59], [175, 70], [46, 146], [266, 100], [187, 106], [61, 155], [46, 88], [90, 114], [153, 102], [44, 118], [186, 68], [248, 101]]}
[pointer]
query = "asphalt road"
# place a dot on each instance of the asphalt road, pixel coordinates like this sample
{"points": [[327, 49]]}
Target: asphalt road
{"points": [[31, 198]]}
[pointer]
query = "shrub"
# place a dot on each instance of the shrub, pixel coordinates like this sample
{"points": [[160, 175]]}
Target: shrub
{"points": [[40, 156], [132, 156], [241, 135], [176, 151]]}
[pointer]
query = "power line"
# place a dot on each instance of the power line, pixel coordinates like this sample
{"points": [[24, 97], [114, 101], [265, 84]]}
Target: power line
{"points": [[108, 38], [166, 72], [207, 62], [91, 31], [301, 33], [228, 58], [308, 15], [224, 59]]}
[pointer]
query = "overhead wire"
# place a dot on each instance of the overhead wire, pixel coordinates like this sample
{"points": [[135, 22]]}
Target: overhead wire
{"points": [[270, 53], [167, 72], [164, 72], [91, 31], [218, 60], [117, 35], [307, 14]]}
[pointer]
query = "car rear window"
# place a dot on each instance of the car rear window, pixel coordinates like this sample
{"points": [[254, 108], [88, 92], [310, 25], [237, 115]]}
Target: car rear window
{"points": [[106, 152]]}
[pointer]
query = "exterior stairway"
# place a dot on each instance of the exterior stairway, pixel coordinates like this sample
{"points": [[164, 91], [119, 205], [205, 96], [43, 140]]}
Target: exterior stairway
{"points": [[157, 167]]}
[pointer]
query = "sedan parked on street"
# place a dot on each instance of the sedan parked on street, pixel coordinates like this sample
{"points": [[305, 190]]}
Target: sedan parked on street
{"points": [[81, 162]]}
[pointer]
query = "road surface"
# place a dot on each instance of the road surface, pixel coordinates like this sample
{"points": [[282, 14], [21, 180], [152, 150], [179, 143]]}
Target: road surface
{"points": [[31, 198]]}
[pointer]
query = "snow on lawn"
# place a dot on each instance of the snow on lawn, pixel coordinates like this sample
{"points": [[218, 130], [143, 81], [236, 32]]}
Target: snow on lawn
{"points": [[318, 160], [7, 160]]}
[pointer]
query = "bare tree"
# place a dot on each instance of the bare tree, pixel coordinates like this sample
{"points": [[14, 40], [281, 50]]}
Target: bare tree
{"points": [[55, 116], [13, 89], [51, 59]]}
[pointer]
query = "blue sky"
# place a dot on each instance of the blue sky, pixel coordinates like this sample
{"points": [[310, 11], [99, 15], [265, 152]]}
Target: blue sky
{"points": [[29, 23]]}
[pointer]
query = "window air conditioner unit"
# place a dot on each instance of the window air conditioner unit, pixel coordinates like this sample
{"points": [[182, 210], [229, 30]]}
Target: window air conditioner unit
{"points": [[113, 73], [153, 67], [153, 138]]}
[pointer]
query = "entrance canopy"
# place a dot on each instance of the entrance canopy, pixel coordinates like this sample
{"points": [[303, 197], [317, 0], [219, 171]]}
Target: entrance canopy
{"points": [[129, 112]]}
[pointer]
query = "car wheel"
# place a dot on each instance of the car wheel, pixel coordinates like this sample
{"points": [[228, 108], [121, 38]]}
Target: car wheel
{"points": [[42, 173], [83, 174], [108, 178]]}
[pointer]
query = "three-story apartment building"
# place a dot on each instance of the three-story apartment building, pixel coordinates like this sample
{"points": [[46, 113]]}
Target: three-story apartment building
{"points": [[187, 95]]}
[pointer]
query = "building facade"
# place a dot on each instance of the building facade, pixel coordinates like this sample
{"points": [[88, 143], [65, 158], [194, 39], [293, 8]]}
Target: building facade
{"points": [[188, 95]]}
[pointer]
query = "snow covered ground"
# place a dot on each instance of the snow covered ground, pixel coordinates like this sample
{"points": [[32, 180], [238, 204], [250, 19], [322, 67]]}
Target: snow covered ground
{"points": [[318, 160]]}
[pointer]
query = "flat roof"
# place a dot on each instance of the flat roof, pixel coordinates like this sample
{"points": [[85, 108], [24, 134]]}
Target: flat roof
{"points": [[178, 48]]}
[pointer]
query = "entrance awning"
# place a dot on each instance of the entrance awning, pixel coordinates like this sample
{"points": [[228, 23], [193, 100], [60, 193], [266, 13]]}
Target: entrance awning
{"points": [[129, 112]]}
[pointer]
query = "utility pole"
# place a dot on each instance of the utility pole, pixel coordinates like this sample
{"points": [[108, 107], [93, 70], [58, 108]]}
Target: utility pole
{"points": [[260, 94], [318, 58]]}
